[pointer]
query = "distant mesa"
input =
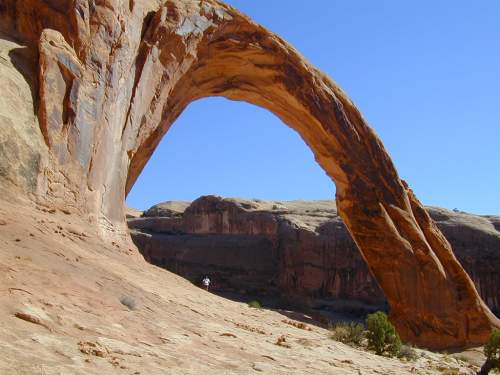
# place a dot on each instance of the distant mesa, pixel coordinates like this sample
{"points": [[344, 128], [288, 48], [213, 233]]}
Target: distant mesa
{"points": [[299, 249]]}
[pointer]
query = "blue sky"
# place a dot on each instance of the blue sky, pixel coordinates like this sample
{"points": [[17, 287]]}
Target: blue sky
{"points": [[426, 76]]}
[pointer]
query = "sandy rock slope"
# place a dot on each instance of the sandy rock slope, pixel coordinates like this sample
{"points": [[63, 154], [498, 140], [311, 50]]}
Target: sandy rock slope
{"points": [[60, 309]]}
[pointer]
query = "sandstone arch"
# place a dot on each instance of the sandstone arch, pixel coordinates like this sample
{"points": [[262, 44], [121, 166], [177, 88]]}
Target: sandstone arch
{"points": [[113, 77]]}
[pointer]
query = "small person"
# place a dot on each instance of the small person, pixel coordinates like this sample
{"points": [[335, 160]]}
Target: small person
{"points": [[206, 282]]}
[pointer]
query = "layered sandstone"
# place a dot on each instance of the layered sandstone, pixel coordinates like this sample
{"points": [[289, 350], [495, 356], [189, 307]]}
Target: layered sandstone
{"points": [[295, 248], [112, 76]]}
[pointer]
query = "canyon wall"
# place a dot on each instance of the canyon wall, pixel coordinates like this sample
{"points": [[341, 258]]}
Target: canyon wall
{"points": [[299, 250]]}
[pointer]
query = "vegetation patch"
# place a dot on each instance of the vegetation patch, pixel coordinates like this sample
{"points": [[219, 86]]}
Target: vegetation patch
{"points": [[492, 353], [378, 335], [381, 334], [255, 304], [348, 333], [408, 353]]}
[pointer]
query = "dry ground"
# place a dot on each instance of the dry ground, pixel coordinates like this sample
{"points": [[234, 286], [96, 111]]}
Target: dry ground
{"points": [[60, 291]]}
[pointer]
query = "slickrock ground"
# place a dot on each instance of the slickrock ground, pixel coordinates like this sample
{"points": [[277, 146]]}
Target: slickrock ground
{"points": [[301, 248], [60, 292]]}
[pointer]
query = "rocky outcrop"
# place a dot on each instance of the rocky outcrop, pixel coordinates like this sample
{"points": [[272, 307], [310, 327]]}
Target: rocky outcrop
{"points": [[112, 76], [300, 249]]}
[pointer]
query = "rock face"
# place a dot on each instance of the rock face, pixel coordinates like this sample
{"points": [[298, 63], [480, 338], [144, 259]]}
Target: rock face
{"points": [[114, 75], [299, 248], [22, 149]]}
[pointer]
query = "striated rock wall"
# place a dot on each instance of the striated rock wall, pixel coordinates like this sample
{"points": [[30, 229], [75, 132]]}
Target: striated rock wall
{"points": [[112, 76], [297, 249], [22, 149]]}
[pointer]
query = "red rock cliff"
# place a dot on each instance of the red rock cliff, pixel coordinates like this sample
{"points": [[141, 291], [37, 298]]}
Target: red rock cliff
{"points": [[300, 248]]}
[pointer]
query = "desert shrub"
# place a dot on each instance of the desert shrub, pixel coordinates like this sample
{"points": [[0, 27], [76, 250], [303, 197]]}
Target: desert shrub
{"points": [[492, 353], [129, 302], [408, 353], [381, 334], [275, 207], [492, 347], [255, 304], [348, 333]]}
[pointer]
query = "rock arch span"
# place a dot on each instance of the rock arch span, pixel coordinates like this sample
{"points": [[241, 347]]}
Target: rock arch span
{"points": [[113, 77]]}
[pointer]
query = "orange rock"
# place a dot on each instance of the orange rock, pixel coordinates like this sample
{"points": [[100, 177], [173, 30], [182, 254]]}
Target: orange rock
{"points": [[114, 77]]}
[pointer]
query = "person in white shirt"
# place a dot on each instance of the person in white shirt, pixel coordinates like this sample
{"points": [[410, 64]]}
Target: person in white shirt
{"points": [[206, 282]]}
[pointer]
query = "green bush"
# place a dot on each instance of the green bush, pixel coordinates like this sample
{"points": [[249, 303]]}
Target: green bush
{"points": [[381, 334], [255, 304], [492, 353], [492, 347], [348, 333]]}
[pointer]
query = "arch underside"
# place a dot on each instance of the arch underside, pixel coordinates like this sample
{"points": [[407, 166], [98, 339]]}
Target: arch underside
{"points": [[107, 98]]}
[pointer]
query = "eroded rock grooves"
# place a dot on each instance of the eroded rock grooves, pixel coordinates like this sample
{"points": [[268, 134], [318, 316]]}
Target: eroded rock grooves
{"points": [[114, 75]]}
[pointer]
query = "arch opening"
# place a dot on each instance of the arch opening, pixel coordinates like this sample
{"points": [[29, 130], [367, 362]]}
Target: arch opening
{"points": [[248, 241], [231, 149]]}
